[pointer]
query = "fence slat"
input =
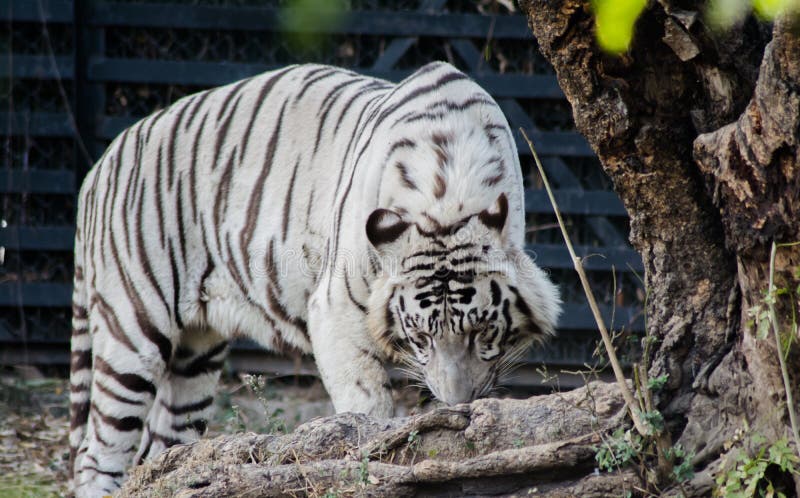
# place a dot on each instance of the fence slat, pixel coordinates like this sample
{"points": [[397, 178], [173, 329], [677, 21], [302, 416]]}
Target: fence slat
{"points": [[564, 178], [578, 316], [16, 238], [200, 74], [390, 23], [554, 143], [393, 53], [577, 202], [208, 74], [606, 232], [36, 181], [42, 294], [38, 124], [596, 258], [52, 11], [37, 67]]}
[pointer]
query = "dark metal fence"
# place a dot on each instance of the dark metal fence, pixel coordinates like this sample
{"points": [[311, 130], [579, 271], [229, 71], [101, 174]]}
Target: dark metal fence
{"points": [[74, 73]]}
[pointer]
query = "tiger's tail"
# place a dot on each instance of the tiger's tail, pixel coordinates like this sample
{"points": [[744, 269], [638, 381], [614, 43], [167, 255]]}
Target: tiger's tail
{"points": [[80, 376]]}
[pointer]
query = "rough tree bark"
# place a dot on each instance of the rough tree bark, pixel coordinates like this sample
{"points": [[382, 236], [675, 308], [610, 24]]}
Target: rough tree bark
{"points": [[700, 133]]}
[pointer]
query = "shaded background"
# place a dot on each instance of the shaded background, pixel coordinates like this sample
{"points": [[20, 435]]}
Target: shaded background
{"points": [[74, 73]]}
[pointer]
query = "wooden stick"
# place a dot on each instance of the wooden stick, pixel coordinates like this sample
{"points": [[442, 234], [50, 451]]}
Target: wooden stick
{"points": [[773, 317], [633, 408]]}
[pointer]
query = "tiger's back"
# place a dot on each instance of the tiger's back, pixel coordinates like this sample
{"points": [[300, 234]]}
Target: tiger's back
{"points": [[185, 191], [240, 211]]}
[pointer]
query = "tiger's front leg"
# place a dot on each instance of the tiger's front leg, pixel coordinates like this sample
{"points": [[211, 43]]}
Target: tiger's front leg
{"points": [[348, 362]]}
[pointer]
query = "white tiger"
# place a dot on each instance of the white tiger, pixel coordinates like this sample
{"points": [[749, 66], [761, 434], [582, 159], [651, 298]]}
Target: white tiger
{"points": [[309, 208]]}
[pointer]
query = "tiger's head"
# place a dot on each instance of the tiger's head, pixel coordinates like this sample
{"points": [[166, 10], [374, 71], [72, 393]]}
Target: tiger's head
{"points": [[454, 304]]}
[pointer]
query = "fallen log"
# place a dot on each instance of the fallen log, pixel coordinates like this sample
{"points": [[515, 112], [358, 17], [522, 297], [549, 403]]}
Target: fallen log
{"points": [[543, 446]]}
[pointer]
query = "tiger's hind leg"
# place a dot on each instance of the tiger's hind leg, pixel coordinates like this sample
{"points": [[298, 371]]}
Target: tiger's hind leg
{"points": [[186, 394]]}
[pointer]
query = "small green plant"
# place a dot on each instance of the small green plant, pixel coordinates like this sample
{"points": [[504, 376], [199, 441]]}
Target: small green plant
{"points": [[234, 422], [618, 451], [363, 469], [764, 315], [626, 447], [274, 422], [654, 421], [28, 485], [748, 476], [657, 383], [682, 471]]}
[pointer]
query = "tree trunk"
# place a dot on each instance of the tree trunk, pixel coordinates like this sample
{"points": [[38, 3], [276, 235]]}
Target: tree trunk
{"points": [[699, 133]]}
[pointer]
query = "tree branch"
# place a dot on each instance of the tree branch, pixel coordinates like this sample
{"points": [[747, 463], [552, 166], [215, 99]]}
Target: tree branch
{"points": [[753, 161]]}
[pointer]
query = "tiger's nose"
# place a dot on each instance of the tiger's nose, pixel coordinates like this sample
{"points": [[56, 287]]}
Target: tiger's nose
{"points": [[454, 384]]}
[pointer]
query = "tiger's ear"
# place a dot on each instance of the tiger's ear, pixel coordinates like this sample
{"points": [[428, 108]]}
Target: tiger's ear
{"points": [[384, 227], [536, 295], [495, 216]]}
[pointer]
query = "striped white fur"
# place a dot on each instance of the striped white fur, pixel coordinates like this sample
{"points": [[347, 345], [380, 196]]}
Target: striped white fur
{"points": [[286, 208]]}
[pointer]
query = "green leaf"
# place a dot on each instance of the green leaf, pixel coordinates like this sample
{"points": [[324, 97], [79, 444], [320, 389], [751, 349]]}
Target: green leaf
{"points": [[654, 420], [303, 20], [656, 383], [683, 471], [763, 329], [722, 14], [614, 22], [770, 9]]}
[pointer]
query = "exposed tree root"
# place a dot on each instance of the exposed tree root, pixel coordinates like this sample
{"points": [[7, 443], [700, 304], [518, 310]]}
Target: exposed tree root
{"points": [[500, 447]]}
